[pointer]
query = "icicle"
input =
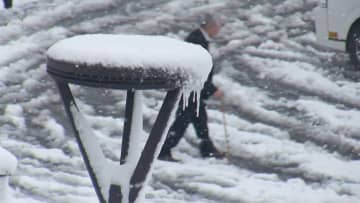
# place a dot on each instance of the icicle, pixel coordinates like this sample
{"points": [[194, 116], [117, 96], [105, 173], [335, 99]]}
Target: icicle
{"points": [[192, 88], [187, 98], [198, 95], [184, 99]]}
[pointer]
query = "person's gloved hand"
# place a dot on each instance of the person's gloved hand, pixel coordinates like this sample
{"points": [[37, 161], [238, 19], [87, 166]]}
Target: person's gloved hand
{"points": [[219, 94]]}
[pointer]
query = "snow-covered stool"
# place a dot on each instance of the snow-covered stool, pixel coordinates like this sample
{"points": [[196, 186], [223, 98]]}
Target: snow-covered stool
{"points": [[8, 163], [133, 63]]}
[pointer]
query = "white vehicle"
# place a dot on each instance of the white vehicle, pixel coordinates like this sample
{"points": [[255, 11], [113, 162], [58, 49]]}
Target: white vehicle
{"points": [[338, 26]]}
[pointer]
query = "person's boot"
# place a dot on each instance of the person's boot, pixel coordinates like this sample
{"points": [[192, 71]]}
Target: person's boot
{"points": [[165, 155], [207, 149]]}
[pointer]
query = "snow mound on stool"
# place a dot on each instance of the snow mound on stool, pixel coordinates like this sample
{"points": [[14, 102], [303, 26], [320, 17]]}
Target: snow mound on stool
{"points": [[8, 163], [137, 51]]}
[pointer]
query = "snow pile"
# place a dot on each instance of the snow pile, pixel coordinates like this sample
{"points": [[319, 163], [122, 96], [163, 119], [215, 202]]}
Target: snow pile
{"points": [[5, 195], [15, 114], [8, 164]]}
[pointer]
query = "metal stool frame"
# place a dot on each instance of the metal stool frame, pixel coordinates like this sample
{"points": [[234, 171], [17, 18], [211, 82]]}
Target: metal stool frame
{"points": [[125, 79]]}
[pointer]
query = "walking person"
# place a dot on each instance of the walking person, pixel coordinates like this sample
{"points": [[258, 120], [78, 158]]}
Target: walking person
{"points": [[209, 28]]}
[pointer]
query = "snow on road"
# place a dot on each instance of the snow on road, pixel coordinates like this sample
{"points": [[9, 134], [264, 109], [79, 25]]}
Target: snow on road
{"points": [[291, 108]]}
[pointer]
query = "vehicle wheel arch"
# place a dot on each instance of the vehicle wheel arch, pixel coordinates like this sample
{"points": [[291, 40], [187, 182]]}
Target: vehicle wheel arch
{"points": [[355, 24]]}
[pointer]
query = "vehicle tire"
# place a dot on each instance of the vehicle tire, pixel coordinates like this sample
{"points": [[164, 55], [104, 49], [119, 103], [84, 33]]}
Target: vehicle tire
{"points": [[354, 46]]}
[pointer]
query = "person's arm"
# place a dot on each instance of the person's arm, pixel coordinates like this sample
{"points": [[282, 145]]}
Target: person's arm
{"points": [[209, 87], [196, 37]]}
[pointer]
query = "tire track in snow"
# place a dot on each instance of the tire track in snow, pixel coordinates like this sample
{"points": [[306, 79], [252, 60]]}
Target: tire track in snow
{"points": [[66, 24], [298, 130], [279, 87], [63, 15]]}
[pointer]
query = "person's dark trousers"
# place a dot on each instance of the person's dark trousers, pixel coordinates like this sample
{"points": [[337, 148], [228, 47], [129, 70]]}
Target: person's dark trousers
{"points": [[7, 4], [183, 119]]}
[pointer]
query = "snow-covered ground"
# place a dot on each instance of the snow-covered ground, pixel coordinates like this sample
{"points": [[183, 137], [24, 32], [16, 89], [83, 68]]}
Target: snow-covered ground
{"points": [[292, 108]]}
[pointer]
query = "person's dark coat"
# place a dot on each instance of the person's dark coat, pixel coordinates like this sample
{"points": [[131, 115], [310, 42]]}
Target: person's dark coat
{"points": [[7, 4], [197, 37]]}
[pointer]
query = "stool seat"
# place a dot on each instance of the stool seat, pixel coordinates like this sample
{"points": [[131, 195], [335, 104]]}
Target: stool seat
{"points": [[116, 78], [128, 62]]}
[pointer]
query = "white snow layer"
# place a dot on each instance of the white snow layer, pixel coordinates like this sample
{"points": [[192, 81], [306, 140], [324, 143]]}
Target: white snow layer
{"points": [[135, 51], [97, 160], [8, 162]]}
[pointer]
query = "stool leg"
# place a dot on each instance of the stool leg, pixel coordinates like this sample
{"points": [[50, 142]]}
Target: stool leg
{"points": [[143, 166], [69, 101], [115, 190], [127, 125], [154, 143]]}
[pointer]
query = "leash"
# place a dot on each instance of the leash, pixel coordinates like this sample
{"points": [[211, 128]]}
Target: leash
{"points": [[227, 142]]}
